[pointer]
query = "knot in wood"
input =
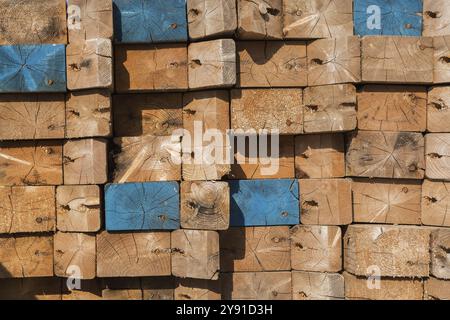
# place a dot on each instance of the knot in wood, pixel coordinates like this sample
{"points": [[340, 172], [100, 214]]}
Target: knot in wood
{"points": [[39, 220], [48, 150], [433, 14], [405, 190], [444, 59], [408, 26], [412, 167], [284, 214], [194, 12], [195, 63], [431, 199], [50, 82], [173, 25], [298, 12]]}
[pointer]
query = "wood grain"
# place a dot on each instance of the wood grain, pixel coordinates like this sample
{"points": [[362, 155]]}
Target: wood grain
{"points": [[437, 156], [317, 286], [260, 19], [436, 203]]}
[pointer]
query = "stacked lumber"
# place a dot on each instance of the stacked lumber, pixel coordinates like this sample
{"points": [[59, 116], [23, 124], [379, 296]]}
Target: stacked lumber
{"points": [[234, 149]]}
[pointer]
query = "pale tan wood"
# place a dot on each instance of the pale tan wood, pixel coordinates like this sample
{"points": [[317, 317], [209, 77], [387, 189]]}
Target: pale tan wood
{"points": [[195, 254], [256, 286], [387, 201], [212, 64], [30, 289], [27, 209], [205, 113], [325, 201], [74, 250], [122, 294], [270, 109], [260, 19], [317, 286], [85, 161], [133, 254], [317, 19], [392, 108], [158, 288], [436, 203], [147, 158], [268, 165], [88, 114], [89, 19], [78, 208], [398, 251], [436, 18], [255, 249], [396, 59], [211, 18], [31, 163], [89, 64], [319, 156], [436, 289], [198, 289], [90, 290], [329, 108], [385, 155], [357, 288], [437, 156], [142, 114], [205, 205], [438, 109], [440, 253], [32, 116], [26, 256], [316, 248], [441, 71], [333, 61], [151, 67], [272, 64], [33, 22]]}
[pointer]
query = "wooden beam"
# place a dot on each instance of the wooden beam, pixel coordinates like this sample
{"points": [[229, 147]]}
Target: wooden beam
{"points": [[147, 114], [264, 202], [89, 19], [27, 209], [88, 114], [392, 108], [260, 19], [32, 116], [25, 256], [212, 64], [48, 288], [317, 286], [151, 67], [33, 22], [257, 285], [441, 61], [85, 161], [198, 289], [436, 289], [272, 64], [386, 201], [440, 253], [438, 109], [385, 155], [319, 156], [326, 201], [205, 205], [90, 290], [334, 61], [397, 60], [133, 254], [317, 19], [437, 156], [147, 158], [158, 288], [31, 163], [436, 21], [435, 203], [368, 245], [271, 109], [142, 206], [255, 249], [316, 248], [195, 254], [211, 18], [74, 250]]}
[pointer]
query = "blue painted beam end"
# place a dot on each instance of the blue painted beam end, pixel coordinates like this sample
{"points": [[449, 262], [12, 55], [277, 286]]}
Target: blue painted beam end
{"points": [[388, 17], [264, 202], [142, 206], [33, 68], [150, 21]]}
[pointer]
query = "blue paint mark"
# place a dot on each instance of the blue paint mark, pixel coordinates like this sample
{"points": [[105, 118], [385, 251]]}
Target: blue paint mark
{"points": [[33, 68], [142, 206], [388, 17], [264, 202], [150, 21]]}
